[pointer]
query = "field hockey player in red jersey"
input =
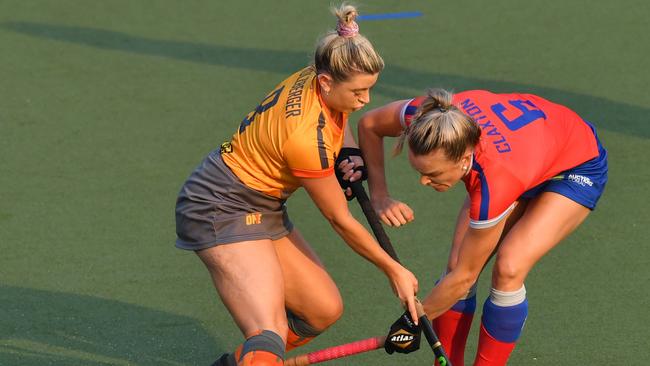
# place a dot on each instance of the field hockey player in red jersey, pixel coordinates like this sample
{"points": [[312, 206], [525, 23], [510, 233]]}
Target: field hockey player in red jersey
{"points": [[533, 171]]}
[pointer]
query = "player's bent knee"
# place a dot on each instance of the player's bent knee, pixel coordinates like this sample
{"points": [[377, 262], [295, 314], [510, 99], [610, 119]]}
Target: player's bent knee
{"points": [[506, 273], [330, 311]]}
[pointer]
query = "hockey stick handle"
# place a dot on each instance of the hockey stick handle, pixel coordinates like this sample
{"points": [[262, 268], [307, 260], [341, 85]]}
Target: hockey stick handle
{"points": [[332, 353], [373, 219], [385, 243]]}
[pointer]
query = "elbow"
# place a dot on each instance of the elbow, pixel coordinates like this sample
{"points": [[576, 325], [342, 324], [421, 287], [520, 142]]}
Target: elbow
{"points": [[338, 222], [365, 125]]}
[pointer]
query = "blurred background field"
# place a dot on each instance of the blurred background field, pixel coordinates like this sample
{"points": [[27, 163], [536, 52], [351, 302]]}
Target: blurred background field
{"points": [[107, 106]]}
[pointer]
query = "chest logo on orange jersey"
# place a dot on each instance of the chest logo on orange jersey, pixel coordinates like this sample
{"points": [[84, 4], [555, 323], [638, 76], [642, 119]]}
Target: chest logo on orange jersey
{"points": [[226, 147], [254, 218]]}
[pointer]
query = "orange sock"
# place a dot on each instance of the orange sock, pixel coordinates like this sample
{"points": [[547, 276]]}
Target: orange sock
{"points": [[237, 353], [229, 359], [295, 341], [300, 331], [260, 358]]}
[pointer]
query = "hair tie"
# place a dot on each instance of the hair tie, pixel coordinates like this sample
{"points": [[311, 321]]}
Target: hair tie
{"points": [[347, 30], [442, 109]]}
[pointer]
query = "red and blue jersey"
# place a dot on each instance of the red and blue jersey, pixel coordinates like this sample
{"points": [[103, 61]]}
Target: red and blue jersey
{"points": [[525, 140]]}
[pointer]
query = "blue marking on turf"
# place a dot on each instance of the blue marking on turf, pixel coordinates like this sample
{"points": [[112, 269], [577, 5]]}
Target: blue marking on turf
{"points": [[402, 15]]}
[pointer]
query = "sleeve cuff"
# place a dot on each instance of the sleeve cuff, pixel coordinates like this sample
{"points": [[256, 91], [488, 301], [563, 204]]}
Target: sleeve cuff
{"points": [[402, 117], [302, 173], [484, 224]]}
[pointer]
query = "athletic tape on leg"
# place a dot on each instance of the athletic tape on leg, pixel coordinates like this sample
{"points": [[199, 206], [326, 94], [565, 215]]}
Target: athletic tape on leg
{"points": [[508, 298], [266, 341], [300, 327]]}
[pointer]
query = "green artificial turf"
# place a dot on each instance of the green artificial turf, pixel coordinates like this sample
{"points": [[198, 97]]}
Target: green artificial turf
{"points": [[107, 106]]}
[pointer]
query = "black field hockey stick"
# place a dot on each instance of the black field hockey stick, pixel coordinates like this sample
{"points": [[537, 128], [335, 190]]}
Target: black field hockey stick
{"points": [[384, 242]]}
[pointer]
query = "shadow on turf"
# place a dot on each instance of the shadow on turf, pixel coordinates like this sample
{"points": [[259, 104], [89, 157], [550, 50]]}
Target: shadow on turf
{"points": [[396, 82], [42, 327]]}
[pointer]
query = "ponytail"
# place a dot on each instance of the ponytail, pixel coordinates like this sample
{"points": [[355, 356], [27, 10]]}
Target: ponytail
{"points": [[438, 124], [344, 52]]}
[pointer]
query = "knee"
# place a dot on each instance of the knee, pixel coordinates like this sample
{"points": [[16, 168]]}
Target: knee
{"points": [[330, 311], [507, 274], [317, 320]]}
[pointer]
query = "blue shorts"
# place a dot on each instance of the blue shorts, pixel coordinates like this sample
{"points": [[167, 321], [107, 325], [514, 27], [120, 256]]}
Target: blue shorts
{"points": [[584, 183]]}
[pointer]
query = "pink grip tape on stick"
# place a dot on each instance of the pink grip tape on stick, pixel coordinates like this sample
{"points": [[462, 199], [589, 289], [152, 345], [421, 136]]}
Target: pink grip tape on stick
{"points": [[332, 353]]}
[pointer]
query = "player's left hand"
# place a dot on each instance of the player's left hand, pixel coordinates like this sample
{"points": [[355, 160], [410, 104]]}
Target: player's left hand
{"points": [[350, 168], [404, 336], [392, 212]]}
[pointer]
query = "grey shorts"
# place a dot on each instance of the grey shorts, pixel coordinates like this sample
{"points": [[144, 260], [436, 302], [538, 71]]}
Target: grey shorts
{"points": [[214, 207]]}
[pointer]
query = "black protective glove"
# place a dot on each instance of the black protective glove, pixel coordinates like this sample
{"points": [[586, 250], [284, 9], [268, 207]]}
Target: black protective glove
{"points": [[404, 336], [344, 155]]}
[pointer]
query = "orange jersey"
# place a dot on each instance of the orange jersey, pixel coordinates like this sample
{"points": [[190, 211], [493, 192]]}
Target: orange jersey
{"points": [[290, 135]]}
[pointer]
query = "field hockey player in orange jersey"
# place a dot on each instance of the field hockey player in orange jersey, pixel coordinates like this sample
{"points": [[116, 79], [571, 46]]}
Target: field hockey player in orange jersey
{"points": [[231, 211]]}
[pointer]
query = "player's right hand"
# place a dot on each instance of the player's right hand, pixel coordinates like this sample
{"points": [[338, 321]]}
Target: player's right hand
{"points": [[404, 336], [392, 212], [405, 286]]}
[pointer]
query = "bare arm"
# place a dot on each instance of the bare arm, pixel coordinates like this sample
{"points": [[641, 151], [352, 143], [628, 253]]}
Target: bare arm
{"points": [[474, 251], [462, 225], [348, 137], [325, 194], [373, 127]]}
